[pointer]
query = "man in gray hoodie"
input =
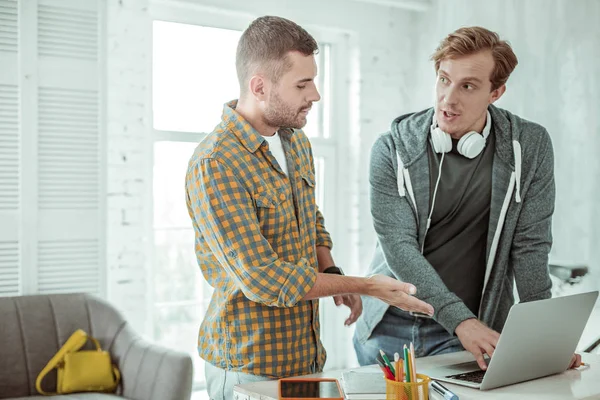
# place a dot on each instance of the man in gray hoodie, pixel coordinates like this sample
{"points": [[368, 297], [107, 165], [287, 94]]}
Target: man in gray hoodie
{"points": [[462, 197]]}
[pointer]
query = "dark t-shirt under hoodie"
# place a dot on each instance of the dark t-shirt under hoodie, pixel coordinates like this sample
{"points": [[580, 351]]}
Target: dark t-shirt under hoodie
{"points": [[455, 244]]}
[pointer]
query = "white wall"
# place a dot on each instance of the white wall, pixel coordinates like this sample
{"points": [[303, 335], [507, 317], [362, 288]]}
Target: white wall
{"points": [[556, 84], [128, 45]]}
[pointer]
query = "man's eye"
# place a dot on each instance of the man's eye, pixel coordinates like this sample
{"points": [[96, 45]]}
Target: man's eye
{"points": [[301, 87]]}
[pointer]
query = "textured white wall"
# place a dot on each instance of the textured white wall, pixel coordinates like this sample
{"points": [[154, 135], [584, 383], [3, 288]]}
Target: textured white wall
{"points": [[556, 84], [128, 146]]}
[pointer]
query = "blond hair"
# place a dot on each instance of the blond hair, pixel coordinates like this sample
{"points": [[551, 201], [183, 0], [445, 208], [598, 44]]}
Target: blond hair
{"points": [[471, 40]]}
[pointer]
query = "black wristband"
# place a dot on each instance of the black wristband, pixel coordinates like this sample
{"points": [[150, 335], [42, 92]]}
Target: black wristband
{"points": [[333, 270]]}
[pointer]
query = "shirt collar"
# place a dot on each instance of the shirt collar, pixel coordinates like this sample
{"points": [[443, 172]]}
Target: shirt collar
{"points": [[241, 128]]}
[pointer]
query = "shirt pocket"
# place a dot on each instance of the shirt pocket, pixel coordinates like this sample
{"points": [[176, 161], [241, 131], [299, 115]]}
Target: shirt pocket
{"points": [[267, 198], [308, 177], [308, 187], [272, 212], [307, 194]]}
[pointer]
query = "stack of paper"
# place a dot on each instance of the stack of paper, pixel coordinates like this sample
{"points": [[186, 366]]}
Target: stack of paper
{"points": [[366, 384]]}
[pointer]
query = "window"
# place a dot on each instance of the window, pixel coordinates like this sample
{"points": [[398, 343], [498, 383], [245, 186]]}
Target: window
{"points": [[191, 82], [194, 75], [189, 88]]}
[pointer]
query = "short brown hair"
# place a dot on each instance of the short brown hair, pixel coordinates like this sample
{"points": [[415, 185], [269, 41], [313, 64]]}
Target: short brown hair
{"points": [[466, 41], [265, 44]]}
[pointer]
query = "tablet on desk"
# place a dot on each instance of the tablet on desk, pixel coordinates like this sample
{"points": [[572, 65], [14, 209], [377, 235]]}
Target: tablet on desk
{"points": [[309, 389]]}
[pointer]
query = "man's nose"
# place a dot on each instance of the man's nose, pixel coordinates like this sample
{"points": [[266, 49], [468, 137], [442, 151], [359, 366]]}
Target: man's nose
{"points": [[314, 96], [450, 97]]}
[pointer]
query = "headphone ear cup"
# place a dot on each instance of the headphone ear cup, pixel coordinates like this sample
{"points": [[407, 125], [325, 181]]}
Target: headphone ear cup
{"points": [[442, 143], [471, 144]]}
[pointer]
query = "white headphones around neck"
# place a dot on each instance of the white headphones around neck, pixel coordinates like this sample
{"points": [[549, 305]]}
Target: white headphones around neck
{"points": [[470, 145]]}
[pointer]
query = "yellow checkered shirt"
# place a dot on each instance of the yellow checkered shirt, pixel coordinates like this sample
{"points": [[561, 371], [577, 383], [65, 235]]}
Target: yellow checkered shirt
{"points": [[256, 236]]}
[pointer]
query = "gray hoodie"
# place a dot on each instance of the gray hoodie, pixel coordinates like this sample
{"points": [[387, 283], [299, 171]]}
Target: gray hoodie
{"points": [[519, 234]]}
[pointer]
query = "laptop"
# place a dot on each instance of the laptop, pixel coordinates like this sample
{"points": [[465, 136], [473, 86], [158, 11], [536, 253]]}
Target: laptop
{"points": [[538, 339]]}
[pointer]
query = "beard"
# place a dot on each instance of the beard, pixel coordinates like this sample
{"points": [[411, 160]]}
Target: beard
{"points": [[280, 114]]}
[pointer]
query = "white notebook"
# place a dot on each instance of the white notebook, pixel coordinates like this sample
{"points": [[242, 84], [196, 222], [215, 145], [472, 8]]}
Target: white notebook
{"points": [[365, 383]]}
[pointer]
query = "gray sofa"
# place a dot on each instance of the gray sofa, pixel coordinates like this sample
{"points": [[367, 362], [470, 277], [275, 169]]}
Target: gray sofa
{"points": [[32, 329]]}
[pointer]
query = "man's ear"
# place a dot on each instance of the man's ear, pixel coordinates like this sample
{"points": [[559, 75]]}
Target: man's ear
{"points": [[258, 87], [496, 94]]}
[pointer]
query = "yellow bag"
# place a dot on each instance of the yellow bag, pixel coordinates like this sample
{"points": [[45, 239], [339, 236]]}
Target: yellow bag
{"points": [[81, 371]]}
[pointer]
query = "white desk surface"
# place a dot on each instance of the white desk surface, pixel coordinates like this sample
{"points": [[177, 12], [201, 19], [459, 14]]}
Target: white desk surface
{"points": [[580, 384]]}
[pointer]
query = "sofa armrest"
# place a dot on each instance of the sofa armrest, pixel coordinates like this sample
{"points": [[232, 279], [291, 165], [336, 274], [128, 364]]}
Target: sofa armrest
{"points": [[151, 372]]}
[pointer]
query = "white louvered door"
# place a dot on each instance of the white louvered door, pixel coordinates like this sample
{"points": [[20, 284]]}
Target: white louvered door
{"points": [[10, 271], [52, 186]]}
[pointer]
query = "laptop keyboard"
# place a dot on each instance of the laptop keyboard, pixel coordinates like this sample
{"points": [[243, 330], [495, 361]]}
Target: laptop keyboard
{"points": [[475, 376]]}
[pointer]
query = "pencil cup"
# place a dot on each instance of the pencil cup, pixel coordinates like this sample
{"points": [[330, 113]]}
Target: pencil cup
{"points": [[418, 390]]}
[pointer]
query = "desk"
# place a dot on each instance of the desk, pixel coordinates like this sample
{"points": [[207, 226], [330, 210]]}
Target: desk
{"points": [[583, 384]]}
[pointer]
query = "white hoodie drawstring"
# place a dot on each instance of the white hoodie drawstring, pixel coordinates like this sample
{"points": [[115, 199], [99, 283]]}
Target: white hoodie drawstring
{"points": [[517, 152], [400, 176]]}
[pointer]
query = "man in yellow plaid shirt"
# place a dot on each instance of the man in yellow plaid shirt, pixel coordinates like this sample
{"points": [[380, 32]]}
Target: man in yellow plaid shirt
{"points": [[261, 241]]}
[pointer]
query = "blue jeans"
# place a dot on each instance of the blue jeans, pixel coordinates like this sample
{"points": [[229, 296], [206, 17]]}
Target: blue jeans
{"points": [[220, 382], [398, 328]]}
